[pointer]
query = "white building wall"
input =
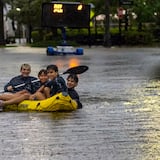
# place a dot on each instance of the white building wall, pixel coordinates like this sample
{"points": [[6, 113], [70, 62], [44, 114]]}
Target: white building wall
{"points": [[8, 29]]}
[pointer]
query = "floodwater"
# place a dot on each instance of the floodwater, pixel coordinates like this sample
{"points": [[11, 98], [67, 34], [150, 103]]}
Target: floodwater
{"points": [[121, 109]]}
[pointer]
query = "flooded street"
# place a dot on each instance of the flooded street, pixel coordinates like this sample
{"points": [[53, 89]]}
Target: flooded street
{"points": [[121, 109]]}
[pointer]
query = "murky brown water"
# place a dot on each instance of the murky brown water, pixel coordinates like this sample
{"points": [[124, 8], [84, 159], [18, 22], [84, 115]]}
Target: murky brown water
{"points": [[119, 120]]}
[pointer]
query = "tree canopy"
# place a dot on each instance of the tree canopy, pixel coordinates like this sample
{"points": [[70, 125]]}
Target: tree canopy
{"points": [[29, 11]]}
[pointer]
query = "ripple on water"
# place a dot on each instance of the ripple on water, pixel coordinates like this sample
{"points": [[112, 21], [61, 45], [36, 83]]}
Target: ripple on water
{"points": [[145, 107]]}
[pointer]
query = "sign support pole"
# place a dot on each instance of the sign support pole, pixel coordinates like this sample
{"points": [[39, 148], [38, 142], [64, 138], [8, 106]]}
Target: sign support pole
{"points": [[107, 25]]}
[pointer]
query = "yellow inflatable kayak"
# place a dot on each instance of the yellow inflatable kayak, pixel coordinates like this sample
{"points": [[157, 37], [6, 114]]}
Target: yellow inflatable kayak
{"points": [[58, 102]]}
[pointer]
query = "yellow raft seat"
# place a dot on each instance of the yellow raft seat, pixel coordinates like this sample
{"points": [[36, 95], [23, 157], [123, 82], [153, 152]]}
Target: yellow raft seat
{"points": [[58, 102]]}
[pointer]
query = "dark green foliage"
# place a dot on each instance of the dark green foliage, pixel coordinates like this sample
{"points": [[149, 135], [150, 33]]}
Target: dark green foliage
{"points": [[137, 38], [148, 12]]}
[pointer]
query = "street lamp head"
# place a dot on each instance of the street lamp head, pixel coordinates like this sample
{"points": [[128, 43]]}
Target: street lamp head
{"points": [[18, 9]]}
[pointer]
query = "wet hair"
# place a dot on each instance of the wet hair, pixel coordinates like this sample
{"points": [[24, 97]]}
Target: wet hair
{"points": [[52, 67], [74, 77], [25, 66], [42, 71]]}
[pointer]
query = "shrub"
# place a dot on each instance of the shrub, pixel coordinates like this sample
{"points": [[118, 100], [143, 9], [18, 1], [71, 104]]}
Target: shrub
{"points": [[36, 36], [137, 38]]}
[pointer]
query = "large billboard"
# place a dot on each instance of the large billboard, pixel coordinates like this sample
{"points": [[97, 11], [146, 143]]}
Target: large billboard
{"points": [[65, 14]]}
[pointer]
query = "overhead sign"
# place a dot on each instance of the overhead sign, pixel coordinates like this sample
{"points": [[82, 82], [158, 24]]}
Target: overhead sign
{"points": [[126, 2], [65, 14]]}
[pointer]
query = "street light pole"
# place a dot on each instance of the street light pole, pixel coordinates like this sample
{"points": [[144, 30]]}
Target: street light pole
{"points": [[19, 25], [29, 26], [107, 25]]}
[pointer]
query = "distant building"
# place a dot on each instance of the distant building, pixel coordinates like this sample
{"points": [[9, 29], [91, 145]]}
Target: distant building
{"points": [[9, 31], [13, 33]]}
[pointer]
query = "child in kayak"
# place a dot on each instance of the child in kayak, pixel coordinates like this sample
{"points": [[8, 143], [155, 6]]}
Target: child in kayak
{"points": [[15, 98], [43, 78], [56, 84], [72, 82]]}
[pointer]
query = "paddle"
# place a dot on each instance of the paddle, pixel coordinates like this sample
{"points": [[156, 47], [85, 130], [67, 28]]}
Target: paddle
{"points": [[23, 84], [76, 70], [73, 70]]}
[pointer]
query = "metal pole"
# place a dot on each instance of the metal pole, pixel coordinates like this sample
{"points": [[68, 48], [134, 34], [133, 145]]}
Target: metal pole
{"points": [[29, 36], [120, 31], [107, 25], [120, 26]]}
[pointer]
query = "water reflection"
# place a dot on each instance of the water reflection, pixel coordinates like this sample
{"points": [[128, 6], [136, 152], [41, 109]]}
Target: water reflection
{"points": [[35, 135], [145, 107], [66, 62], [74, 62]]}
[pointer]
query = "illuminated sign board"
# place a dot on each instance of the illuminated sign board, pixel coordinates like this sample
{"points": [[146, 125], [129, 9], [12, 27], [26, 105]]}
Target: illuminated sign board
{"points": [[57, 8], [65, 14]]}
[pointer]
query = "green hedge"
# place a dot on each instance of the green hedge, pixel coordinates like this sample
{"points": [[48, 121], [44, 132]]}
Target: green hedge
{"points": [[37, 36], [137, 38], [80, 36]]}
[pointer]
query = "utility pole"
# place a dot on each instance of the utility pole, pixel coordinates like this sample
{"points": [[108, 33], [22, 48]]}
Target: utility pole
{"points": [[107, 25], [2, 41], [29, 25]]}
